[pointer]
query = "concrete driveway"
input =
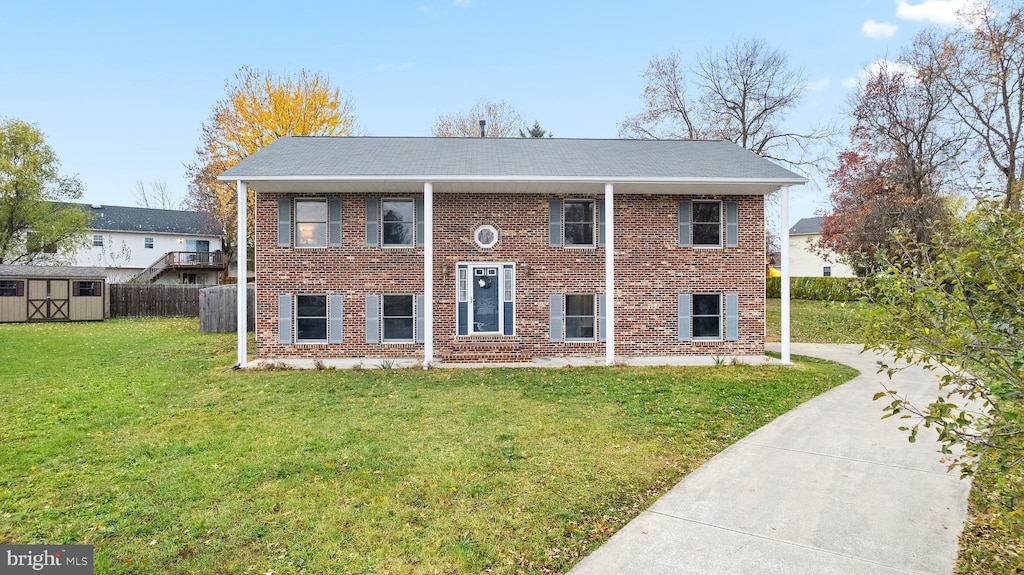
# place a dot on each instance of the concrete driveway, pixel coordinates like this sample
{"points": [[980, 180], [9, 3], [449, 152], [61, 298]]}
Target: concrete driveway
{"points": [[826, 488]]}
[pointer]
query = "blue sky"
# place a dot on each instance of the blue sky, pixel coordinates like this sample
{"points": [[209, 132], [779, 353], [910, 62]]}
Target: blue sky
{"points": [[120, 89]]}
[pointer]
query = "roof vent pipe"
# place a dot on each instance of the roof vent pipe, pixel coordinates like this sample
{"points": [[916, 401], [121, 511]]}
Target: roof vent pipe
{"points": [[483, 128]]}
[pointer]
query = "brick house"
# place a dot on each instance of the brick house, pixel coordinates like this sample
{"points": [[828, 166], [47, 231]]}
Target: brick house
{"points": [[487, 249]]}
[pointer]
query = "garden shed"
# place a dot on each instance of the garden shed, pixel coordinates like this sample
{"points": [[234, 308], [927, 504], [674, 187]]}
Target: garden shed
{"points": [[52, 293]]}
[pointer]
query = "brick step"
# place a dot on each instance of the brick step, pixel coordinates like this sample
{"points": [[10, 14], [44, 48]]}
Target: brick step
{"points": [[474, 351]]}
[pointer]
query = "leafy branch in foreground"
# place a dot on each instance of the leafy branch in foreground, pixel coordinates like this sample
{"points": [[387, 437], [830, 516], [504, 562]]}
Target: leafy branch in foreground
{"points": [[956, 307]]}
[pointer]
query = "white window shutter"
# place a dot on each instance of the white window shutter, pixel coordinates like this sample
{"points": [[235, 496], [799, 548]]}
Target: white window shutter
{"points": [[284, 319], [684, 224], [372, 319], [284, 222], [685, 320], [557, 318], [336, 313]]}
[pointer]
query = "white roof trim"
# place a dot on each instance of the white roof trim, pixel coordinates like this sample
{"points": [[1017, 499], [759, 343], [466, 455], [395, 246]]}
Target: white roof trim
{"points": [[552, 179]]}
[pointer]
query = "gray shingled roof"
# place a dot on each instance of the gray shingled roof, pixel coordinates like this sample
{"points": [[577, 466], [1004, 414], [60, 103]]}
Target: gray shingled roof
{"points": [[77, 272], [121, 218], [514, 158], [807, 226]]}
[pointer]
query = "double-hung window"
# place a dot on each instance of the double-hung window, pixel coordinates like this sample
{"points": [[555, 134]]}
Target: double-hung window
{"points": [[311, 318], [398, 221], [579, 222], [707, 316], [580, 320], [97, 240], [399, 314], [707, 224], [147, 243], [311, 223]]}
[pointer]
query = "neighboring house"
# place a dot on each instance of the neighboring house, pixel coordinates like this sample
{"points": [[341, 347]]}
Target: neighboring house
{"points": [[473, 249], [150, 245], [804, 257]]}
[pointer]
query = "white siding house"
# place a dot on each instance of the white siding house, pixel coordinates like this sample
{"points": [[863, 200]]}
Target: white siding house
{"points": [[805, 261], [152, 246]]}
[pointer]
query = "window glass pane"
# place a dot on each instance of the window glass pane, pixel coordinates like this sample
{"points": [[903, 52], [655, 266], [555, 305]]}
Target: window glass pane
{"points": [[86, 289], [463, 272], [579, 212], [705, 304], [579, 304], [398, 305], [707, 212], [579, 327], [398, 234], [311, 210], [97, 240], [398, 211], [707, 234], [8, 288], [706, 326], [579, 234], [508, 284], [311, 305], [149, 243], [309, 329], [310, 234], [398, 328]]}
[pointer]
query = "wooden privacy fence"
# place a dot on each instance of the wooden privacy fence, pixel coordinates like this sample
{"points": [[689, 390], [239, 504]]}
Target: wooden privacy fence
{"points": [[218, 309], [154, 300]]}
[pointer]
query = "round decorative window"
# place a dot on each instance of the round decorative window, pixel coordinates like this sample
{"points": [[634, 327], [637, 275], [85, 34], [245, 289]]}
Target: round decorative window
{"points": [[486, 236]]}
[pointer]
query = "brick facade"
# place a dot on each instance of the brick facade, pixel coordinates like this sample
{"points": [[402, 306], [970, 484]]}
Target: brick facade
{"points": [[650, 272]]}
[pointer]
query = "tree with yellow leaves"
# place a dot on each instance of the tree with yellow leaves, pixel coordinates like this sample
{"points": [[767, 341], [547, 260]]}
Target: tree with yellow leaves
{"points": [[259, 108]]}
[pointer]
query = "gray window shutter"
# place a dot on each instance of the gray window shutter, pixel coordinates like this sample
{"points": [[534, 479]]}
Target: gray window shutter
{"points": [[685, 323], [555, 223], [334, 222], [420, 327], [556, 318], [684, 224], [732, 317], [602, 332], [732, 225], [418, 203], [336, 311], [372, 217], [284, 319], [284, 222], [372, 319], [600, 226]]}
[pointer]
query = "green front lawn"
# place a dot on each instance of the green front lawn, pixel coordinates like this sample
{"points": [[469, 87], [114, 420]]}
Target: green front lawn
{"points": [[812, 321], [129, 435]]}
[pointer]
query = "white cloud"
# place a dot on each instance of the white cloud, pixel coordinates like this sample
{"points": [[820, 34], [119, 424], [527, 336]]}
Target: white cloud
{"points": [[873, 29], [817, 85], [874, 68], [934, 11]]}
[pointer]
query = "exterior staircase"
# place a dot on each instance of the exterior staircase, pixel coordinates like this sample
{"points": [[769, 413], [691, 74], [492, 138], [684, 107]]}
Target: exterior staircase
{"points": [[500, 349]]}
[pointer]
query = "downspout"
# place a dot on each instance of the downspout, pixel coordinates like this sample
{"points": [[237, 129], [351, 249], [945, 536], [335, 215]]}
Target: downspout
{"points": [[242, 256]]}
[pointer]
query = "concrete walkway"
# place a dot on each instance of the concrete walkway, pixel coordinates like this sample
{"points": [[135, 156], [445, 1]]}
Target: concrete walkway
{"points": [[825, 488]]}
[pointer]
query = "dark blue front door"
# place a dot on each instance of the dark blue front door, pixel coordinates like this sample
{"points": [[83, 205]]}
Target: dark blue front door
{"points": [[486, 291]]}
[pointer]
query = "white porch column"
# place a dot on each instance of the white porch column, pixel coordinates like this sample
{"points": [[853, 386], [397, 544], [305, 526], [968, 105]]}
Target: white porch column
{"points": [[784, 256], [241, 251], [428, 274], [609, 274]]}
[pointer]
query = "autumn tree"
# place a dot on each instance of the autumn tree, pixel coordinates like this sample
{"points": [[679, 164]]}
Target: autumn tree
{"points": [[259, 108], [895, 173], [743, 93], [157, 196], [502, 121], [37, 221], [981, 63]]}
